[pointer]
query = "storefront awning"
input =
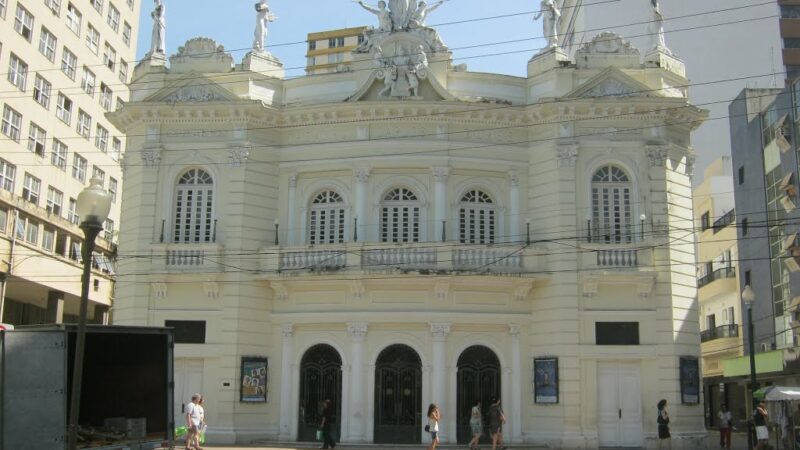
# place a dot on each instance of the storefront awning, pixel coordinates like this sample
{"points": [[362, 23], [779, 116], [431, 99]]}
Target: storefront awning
{"points": [[765, 363]]}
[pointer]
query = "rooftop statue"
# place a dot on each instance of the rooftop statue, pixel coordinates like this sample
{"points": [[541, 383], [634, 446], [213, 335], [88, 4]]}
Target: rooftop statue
{"points": [[418, 17], [157, 40], [658, 28], [401, 13], [263, 17], [384, 15], [552, 14]]}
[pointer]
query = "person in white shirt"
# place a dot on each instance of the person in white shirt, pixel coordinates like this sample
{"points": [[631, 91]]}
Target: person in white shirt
{"points": [[193, 421], [725, 425]]}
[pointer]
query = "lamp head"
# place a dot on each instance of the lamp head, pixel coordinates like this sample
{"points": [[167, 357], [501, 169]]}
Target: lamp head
{"points": [[94, 203], [643, 217], [748, 296], [275, 222]]}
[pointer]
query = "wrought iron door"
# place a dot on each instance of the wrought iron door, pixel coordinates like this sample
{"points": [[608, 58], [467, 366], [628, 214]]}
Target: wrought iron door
{"points": [[478, 379], [320, 380], [398, 396]]}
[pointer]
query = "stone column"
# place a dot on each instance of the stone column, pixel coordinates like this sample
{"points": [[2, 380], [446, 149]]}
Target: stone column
{"points": [[362, 178], [358, 334], [516, 384], [285, 432], [291, 219], [439, 370], [513, 209], [55, 307], [440, 199]]}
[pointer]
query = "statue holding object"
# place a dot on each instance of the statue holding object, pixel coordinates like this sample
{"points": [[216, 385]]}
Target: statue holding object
{"points": [[158, 38], [263, 17], [552, 15]]}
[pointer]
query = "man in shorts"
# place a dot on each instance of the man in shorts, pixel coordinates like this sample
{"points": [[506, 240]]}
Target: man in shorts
{"points": [[192, 421], [760, 420]]}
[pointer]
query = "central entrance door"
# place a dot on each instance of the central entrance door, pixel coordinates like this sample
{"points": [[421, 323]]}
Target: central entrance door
{"points": [[478, 379], [188, 375], [398, 396], [320, 380], [619, 404]]}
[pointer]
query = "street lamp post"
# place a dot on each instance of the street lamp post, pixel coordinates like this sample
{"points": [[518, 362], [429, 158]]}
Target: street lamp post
{"points": [[748, 297], [94, 203], [642, 218], [527, 231], [277, 241]]}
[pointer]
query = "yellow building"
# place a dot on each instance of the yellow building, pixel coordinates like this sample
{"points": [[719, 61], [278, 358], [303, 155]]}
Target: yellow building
{"points": [[718, 287], [332, 51], [67, 65]]}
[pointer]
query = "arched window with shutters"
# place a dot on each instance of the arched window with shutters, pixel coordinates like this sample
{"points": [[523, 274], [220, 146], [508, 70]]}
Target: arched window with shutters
{"points": [[400, 216], [326, 219], [611, 206], [194, 208], [477, 218]]}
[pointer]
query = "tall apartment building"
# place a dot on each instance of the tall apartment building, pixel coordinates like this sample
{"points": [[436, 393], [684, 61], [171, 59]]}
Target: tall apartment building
{"points": [[67, 64], [330, 51], [718, 289], [790, 35]]}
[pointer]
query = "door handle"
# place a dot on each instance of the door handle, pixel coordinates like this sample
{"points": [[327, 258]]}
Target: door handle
{"points": [[620, 413]]}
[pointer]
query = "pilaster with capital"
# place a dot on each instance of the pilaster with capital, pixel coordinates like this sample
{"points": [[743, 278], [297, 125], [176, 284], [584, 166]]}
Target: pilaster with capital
{"points": [[516, 383], [291, 220], [657, 155], [439, 332], [440, 175], [361, 176], [567, 155], [287, 331], [358, 334], [513, 210]]}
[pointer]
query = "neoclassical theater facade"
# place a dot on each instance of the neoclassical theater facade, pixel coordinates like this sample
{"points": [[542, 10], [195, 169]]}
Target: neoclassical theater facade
{"points": [[405, 232]]}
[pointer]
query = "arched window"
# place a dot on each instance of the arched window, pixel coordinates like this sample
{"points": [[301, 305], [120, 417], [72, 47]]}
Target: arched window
{"points": [[400, 211], [477, 218], [326, 219], [194, 208], [611, 206]]}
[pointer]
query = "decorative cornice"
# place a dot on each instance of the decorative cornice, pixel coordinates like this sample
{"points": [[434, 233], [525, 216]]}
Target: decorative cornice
{"points": [[151, 157], [513, 329], [357, 330], [362, 174], [440, 174], [657, 155], [513, 178]]}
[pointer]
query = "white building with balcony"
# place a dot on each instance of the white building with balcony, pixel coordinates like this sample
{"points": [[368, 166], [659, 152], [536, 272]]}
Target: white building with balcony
{"points": [[410, 232]]}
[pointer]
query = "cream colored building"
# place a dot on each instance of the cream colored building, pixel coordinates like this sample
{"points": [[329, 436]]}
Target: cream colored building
{"points": [[66, 65], [721, 317], [332, 51], [408, 232]]}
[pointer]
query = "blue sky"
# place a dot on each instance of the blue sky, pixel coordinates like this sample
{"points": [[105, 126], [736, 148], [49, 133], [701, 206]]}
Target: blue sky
{"points": [[231, 23]]}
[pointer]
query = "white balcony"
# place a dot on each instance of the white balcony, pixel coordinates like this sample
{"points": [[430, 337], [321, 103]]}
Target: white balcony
{"points": [[186, 257], [616, 256]]}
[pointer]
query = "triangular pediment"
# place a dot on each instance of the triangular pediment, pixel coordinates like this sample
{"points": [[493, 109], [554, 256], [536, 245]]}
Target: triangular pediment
{"points": [[192, 89], [612, 83]]}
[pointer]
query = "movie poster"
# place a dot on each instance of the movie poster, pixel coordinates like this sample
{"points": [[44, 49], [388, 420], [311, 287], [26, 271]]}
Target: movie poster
{"points": [[690, 380], [545, 380], [254, 380]]}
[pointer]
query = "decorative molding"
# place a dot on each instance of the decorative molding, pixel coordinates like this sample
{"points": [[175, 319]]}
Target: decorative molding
{"points": [[212, 289], [657, 155], [514, 178], [567, 155], [611, 88], [440, 330], [440, 174], [513, 329], [192, 94], [159, 289], [644, 288], [590, 285], [238, 156], [280, 291], [690, 164], [287, 330], [357, 290], [362, 174], [607, 43], [151, 157], [441, 290], [293, 181], [522, 291], [357, 330]]}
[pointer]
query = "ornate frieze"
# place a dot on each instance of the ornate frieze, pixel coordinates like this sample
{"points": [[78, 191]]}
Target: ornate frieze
{"points": [[362, 174], [357, 330], [567, 155], [159, 289], [440, 174], [657, 155], [212, 289], [151, 157], [440, 330], [238, 156]]}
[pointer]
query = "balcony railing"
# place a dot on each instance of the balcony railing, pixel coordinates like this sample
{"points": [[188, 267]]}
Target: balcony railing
{"points": [[724, 331], [724, 221], [425, 257], [725, 272], [186, 257], [616, 256]]}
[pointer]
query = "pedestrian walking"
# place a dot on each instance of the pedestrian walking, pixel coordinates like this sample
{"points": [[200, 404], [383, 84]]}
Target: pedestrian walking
{"points": [[760, 416], [725, 427], [496, 421], [476, 425], [433, 425], [192, 422], [326, 420], [663, 425]]}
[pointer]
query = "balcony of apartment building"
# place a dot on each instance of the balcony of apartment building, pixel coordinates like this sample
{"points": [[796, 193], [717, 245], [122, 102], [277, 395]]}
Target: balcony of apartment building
{"points": [[717, 282], [617, 247], [717, 343]]}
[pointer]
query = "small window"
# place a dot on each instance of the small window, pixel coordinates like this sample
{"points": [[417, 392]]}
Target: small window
{"points": [[55, 199], [109, 56], [17, 72], [705, 221], [84, 127], [126, 33], [93, 39], [69, 63], [99, 174], [332, 43], [8, 172], [12, 123], [101, 138], [41, 91], [744, 227], [48, 238], [72, 214], [36, 139], [188, 331], [113, 18], [31, 187], [74, 19], [54, 5], [106, 96], [116, 149], [123, 71], [58, 157], [64, 108], [23, 22], [79, 168], [98, 5], [741, 175], [617, 333], [3, 8], [3, 220], [47, 44], [113, 187], [88, 81], [312, 45], [747, 281]]}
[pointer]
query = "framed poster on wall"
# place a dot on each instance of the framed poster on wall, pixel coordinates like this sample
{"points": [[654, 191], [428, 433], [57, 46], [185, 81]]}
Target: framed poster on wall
{"points": [[545, 380], [254, 380], [690, 380]]}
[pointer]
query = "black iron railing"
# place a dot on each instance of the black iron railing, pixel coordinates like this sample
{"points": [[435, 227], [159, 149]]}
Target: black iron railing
{"points": [[725, 272], [724, 331], [724, 221]]}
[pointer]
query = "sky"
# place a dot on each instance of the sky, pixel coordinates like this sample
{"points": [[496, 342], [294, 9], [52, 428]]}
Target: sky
{"points": [[232, 26], [500, 37]]}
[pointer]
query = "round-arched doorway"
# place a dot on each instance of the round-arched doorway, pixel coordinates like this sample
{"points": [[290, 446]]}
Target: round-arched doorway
{"points": [[478, 379], [398, 396], [320, 380]]}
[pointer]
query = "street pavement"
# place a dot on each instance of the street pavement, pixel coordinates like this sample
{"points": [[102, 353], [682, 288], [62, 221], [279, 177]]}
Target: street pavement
{"points": [[739, 443]]}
